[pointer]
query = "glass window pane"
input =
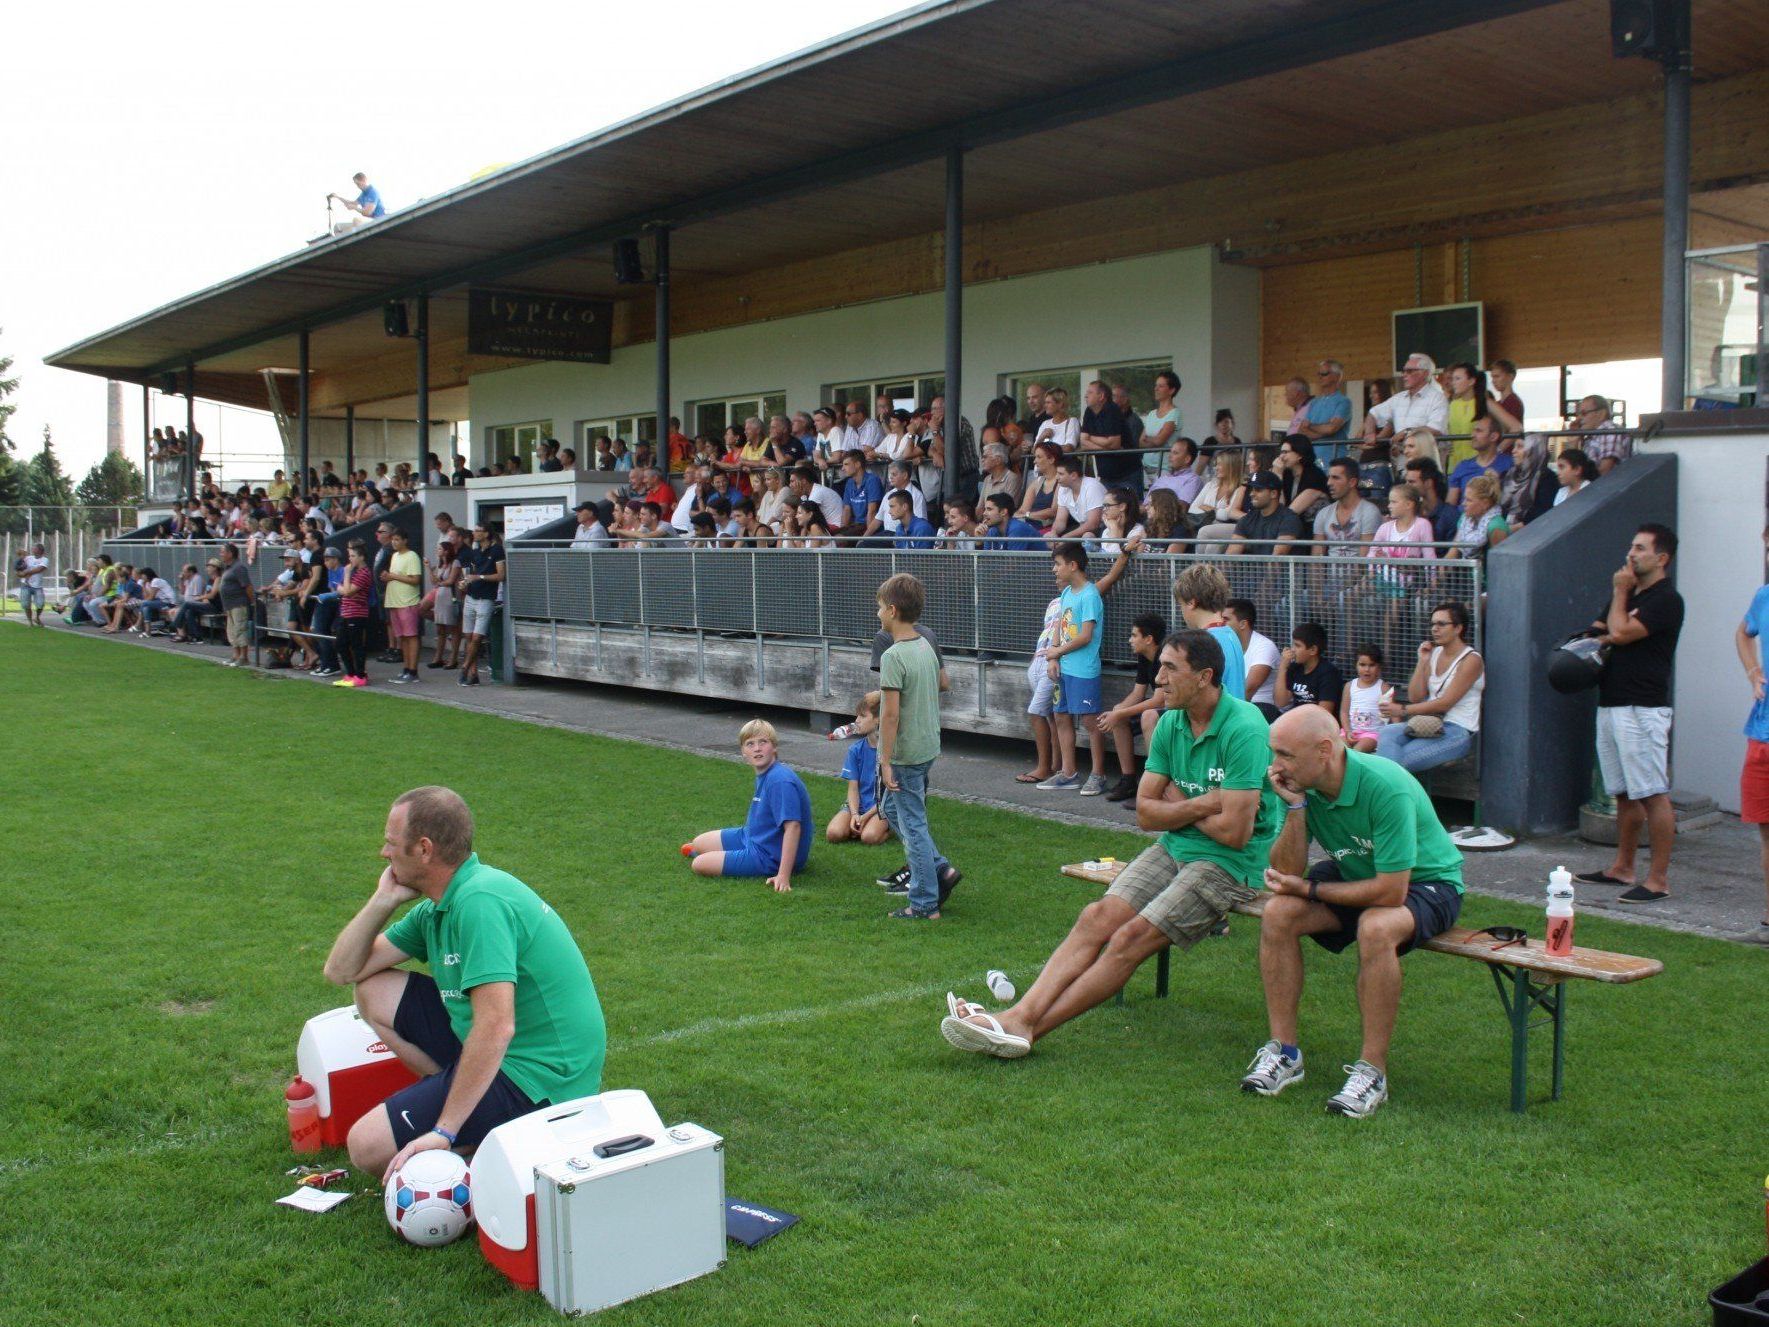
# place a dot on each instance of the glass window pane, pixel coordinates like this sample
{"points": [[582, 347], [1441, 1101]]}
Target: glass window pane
{"points": [[709, 418], [772, 404]]}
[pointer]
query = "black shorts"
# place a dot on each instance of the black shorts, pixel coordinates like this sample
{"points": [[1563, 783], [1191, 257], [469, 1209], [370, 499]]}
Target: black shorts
{"points": [[1434, 905], [413, 1111]]}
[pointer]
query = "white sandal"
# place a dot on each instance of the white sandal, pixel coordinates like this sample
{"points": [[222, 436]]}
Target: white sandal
{"points": [[988, 1038]]}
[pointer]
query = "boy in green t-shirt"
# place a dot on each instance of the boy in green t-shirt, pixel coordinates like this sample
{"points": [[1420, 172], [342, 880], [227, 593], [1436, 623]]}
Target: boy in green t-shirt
{"points": [[1391, 880], [1204, 788], [909, 743]]}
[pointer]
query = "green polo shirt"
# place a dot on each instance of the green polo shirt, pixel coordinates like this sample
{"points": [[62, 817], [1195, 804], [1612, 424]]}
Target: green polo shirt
{"points": [[1232, 755], [1383, 820], [489, 927]]}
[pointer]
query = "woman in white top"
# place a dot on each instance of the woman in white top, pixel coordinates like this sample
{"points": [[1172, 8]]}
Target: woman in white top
{"points": [[1447, 684], [1122, 523], [773, 497], [1222, 501], [1162, 424], [1060, 428]]}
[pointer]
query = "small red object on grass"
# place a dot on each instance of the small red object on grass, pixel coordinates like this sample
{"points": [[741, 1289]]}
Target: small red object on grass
{"points": [[687, 850]]}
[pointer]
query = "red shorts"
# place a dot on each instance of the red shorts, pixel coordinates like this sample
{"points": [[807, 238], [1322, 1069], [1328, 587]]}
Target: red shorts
{"points": [[1753, 784], [405, 621]]}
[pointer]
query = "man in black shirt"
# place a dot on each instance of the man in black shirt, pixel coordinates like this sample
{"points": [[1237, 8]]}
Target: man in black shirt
{"points": [[1640, 626], [1269, 519], [484, 564], [1102, 430], [1305, 675]]}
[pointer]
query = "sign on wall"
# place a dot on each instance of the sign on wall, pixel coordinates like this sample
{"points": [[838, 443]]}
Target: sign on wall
{"points": [[526, 325], [520, 518]]}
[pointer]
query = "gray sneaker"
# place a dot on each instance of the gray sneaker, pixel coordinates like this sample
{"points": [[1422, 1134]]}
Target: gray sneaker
{"points": [[1095, 785], [1364, 1091], [1271, 1072], [1060, 783]]}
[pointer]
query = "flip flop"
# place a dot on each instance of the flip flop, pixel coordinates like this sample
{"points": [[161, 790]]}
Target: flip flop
{"points": [[985, 1039], [964, 1008], [1600, 878], [1029, 778]]}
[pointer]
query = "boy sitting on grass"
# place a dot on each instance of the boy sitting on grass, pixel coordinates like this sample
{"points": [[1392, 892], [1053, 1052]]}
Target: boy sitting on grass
{"points": [[773, 841], [860, 817]]}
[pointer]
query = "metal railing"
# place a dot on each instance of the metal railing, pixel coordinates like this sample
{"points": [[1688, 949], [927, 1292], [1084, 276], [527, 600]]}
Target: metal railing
{"points": [[977, 602]]}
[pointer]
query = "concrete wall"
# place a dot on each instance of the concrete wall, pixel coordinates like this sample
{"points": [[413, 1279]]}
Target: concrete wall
{"points": [[1182, 305], [1722, 499], [1544, 583]]}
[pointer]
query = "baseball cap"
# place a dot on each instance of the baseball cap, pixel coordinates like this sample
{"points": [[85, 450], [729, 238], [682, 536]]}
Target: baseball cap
{"points": [[585, 506], [335, 553], [1264, 479]]}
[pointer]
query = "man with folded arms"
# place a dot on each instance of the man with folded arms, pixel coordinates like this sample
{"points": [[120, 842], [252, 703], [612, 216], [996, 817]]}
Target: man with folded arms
{"points": [[1391, 880], [1204, 787]]}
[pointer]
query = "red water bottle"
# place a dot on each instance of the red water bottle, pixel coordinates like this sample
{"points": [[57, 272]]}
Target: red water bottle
{"points": [[303, 1115]]}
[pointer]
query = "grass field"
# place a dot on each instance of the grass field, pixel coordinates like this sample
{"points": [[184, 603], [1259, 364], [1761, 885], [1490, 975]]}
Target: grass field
{"points": [[184, 842]]}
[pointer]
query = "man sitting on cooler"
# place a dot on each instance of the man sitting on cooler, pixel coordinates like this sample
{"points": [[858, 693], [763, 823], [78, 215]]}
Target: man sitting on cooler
{"points": [[509, 1022]]}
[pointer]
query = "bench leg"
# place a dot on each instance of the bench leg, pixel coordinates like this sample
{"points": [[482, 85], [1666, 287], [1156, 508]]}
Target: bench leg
{"points": [[1558, 1008], [1161, 961], [1522, 997]]}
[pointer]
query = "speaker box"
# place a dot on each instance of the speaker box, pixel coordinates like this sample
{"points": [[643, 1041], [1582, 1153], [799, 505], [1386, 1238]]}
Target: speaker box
{"points": [[1650, 29], [393, 318], [628, 269], [169, 385]]}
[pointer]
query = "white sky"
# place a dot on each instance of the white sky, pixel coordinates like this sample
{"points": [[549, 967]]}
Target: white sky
{"points": [[152, 151]]}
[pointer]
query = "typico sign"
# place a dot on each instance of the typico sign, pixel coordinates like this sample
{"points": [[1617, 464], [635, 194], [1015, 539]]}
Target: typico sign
{"points": [[529, 326]]}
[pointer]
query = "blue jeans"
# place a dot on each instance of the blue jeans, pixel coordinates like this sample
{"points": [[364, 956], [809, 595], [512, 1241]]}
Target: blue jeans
{"points": [[1422, 753], [905, 811]]}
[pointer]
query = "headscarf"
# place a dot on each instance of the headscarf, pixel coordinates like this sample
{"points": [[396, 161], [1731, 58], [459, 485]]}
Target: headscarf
{"points": [[1528, 463]]}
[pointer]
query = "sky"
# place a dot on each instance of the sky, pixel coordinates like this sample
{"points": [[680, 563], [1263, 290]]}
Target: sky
{"points": [[153, 151]]}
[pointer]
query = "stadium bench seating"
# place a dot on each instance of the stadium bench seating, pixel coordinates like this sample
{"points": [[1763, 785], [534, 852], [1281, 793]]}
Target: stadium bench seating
{"points": [[1528, 978]]}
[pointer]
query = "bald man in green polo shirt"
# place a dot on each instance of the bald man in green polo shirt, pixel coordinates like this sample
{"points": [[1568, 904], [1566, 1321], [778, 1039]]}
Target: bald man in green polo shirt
{"points": [[506, 1022], [1391, 880]]}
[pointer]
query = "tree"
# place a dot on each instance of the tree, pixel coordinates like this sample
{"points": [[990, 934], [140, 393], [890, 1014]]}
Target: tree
{"points": [[110, 488], [48, 489], [12, 474]]}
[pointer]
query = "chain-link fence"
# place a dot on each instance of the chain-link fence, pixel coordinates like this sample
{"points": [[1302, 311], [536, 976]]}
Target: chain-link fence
{"points": [[977, 602]]}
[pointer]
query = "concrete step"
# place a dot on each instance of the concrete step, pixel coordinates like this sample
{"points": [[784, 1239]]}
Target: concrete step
{"points": [[1695, 811]]}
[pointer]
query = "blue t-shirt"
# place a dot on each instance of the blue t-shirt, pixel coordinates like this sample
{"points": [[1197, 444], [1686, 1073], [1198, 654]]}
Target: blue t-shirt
{"points": [[1078, 606], [1756, 623], [1234, 661], [917, 532], [1323, 408], [780, 796], [860, 493], [861, 766], [1018, 537], [1460, 476], [370, 198]]}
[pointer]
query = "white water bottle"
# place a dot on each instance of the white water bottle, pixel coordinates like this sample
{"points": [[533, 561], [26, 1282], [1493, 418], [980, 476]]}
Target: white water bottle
{"points": [[840, 733], [1559, 911]]}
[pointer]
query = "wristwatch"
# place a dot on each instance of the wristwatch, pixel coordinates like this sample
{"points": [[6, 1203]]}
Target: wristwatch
{"points": [[1298, 806]]}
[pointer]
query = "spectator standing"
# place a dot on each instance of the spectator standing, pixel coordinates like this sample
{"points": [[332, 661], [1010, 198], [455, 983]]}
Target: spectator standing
{"points": [[1502, 403], [236, 602], [1447, 685], [1058, 427], [355, 593], [1753, 781], [482, 577], [1073, 661], [1329, 411], [1296, 399], [1419, 404], [1467, 406], [1640, 625], [1102, 430], [1270, 519], [445, 603], [1305, 676], [909, 744], [404, 581], [1260, 652], [1202, 593], [1609, 447], [681, 447], [1164, 425], [1133, 422], [1361, 709], [31, 567], [383, 554], [1036, 412]]}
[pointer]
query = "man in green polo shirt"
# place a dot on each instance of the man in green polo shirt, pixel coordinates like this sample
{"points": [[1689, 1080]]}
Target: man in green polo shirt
{"points": [[1204, 787], [508, 1020], [1390, 881]]}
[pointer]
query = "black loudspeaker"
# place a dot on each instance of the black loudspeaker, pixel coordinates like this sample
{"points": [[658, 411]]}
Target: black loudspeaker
{"points": [[1649, 29], [169, 384], [628, 269], [393, 318]]}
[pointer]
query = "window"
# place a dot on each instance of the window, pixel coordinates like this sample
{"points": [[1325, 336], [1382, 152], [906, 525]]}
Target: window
{"points": [[1137, 375], [503, 441], [633, 429], [712, 417], [905, 391]]}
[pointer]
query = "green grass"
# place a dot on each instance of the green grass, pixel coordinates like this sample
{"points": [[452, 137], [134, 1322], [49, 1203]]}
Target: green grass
{"points": [[184, 842]]}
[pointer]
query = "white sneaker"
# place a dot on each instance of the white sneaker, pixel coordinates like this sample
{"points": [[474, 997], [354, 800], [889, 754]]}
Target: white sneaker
{"points": [[1271, 1071], [1364, 1091], [1060, 782], [1095, 785]]}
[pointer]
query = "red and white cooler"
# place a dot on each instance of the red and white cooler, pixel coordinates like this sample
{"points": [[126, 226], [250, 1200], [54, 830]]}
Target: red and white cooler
{"points": [[504, 1166], [350, 1068]]}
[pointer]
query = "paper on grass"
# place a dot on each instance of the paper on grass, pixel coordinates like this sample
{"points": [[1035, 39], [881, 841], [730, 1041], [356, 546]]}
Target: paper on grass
{"points": [[309, 1199]]}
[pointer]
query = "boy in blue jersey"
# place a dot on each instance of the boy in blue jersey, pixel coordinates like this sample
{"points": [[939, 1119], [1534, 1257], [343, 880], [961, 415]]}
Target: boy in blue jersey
{"points": [[860, 819], [775, 840], [912, 531], [1073, 662], [1202, 593]]}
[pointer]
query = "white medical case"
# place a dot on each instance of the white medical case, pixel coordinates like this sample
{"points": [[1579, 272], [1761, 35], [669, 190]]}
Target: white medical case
{"points": [[628, 1216]]}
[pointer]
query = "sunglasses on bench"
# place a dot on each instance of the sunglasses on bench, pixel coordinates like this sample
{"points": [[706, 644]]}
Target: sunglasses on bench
{"points": [[1505, 935]]}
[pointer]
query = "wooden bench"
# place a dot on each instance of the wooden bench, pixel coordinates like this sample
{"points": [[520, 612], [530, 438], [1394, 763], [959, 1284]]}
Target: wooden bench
{"points": [[1528, 978]]}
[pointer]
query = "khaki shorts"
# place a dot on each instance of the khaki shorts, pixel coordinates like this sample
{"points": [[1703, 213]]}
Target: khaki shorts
{"points": [[1183, 899], [238, 626]]}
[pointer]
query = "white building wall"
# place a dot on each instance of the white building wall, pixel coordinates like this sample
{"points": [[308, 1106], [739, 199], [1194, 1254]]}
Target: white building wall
{"points": [[1182, 304], [1722, 492]]}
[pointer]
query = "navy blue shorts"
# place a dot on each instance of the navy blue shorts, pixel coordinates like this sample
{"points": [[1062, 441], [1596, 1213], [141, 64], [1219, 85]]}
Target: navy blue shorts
{"points": [[413, 1111], [1434, 905]]}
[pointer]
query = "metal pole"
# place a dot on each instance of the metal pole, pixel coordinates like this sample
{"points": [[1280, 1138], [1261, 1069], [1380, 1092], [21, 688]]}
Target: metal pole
{"points": [[147, 434], [301, 399], [190, 429], [954, 305], [1673, 336], [1762, 326], [423, 384], [349, 442], [662, 236]]}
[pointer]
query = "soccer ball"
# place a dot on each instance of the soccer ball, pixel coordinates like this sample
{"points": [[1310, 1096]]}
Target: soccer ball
{"points": [[428, 1199]]}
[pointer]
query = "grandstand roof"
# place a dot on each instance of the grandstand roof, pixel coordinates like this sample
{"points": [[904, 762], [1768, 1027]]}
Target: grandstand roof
{"points": [[758, 171]]}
